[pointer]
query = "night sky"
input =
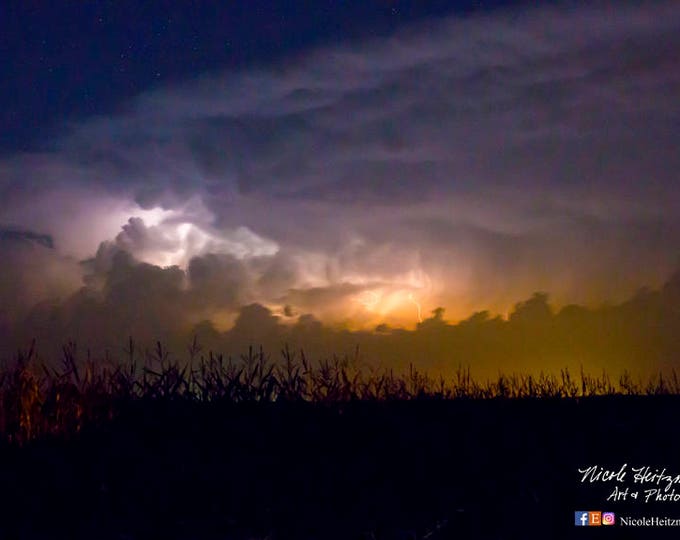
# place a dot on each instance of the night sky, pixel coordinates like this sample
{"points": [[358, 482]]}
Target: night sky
{"points": [[329, 164]]}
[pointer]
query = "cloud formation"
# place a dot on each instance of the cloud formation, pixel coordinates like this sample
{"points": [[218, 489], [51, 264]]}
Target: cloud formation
{"points": [[466, 162]]}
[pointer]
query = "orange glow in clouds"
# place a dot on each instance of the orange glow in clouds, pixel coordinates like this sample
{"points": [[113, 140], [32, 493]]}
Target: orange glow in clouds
{"points": [[395, 301]]}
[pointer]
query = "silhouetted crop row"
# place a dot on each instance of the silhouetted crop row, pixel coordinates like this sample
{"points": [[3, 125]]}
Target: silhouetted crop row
{"points": [[37, 400]]}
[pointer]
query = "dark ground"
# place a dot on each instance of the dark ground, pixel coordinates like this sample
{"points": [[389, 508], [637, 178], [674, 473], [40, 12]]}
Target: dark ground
{"points": [[382, 470]]}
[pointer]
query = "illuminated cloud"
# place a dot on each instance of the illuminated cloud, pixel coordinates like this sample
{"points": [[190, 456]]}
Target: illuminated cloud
{"points": [[464, 163], [175, 244]]}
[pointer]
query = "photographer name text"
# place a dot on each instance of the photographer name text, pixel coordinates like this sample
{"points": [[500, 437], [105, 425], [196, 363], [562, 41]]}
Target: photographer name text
{"points": [[649, 484]]}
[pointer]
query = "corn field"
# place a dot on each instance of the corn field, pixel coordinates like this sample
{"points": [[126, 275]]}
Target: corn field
{"points": [[38, 401]]}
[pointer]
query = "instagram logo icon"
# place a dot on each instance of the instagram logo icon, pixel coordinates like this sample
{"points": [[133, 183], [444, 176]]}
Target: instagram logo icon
{"points": [[608, 518]]}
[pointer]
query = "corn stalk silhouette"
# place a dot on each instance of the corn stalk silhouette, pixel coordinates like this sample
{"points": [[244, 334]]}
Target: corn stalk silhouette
{"points": [[40, 401]]}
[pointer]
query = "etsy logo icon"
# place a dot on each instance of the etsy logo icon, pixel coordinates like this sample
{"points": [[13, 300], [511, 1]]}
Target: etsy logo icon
{"points": [[594, 519]]}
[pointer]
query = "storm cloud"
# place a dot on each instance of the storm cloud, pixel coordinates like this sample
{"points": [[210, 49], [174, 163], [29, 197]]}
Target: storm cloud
{"points": [[463, 162]]}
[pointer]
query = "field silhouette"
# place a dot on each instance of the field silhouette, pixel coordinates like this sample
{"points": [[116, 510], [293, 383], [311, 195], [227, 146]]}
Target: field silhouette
{"points": [[254, 447]]}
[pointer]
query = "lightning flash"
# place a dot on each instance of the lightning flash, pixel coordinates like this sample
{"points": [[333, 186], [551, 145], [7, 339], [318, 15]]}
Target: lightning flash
{"points": [[410, 297]]}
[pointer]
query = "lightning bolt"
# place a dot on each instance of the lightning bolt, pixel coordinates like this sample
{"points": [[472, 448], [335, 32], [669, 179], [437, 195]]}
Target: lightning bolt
{"points": [[410, 297]]}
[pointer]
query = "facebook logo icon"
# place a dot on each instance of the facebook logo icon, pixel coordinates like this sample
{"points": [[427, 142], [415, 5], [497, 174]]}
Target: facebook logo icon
{"points": [[581, 519]]}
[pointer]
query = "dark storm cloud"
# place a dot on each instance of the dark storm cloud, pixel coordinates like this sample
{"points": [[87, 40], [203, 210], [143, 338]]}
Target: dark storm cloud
{"points": [[313, 298], [638, 335], [219, 281], [31, 271], [7, 234], [469, 161], [453, 104]]}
